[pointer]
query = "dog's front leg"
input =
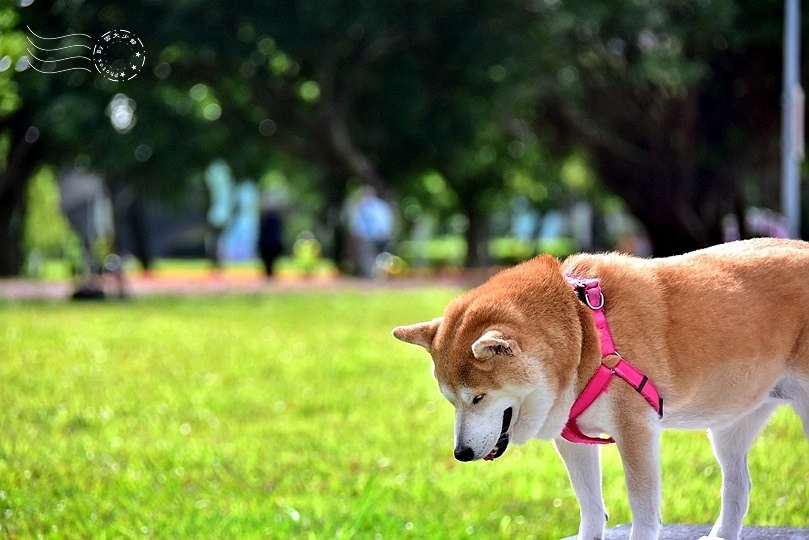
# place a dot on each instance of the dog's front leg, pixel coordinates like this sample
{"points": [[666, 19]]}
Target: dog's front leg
{"points": [[639, 446], [584, 469]]}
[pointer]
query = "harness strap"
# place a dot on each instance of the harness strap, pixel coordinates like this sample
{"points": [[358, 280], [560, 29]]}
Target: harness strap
{"points": [[591, 294]]}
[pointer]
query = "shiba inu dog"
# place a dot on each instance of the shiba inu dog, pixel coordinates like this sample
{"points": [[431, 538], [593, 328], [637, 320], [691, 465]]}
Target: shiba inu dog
{"points": [[612, 345]]}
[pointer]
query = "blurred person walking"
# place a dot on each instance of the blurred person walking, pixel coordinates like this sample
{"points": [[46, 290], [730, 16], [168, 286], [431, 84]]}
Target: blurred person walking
{"points": [[371, 225], [219, 181], [270, 238]]}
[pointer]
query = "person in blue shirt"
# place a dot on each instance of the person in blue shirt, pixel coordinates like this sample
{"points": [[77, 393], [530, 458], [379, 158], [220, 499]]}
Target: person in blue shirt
{"points": [[371, 226]]}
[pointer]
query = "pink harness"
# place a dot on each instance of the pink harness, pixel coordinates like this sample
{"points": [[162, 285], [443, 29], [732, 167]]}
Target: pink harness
{"points": [[593, 297]]}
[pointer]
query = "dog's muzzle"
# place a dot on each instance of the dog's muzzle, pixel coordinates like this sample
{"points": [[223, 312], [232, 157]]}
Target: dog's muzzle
{"points": [[467, 454], [502, 442]]}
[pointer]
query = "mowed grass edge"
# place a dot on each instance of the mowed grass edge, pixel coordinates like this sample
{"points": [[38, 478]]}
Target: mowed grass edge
{"points": [[294, 415]]}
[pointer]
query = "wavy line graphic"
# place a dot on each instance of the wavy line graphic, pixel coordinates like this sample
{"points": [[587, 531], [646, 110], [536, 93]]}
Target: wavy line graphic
{"points": [[60, 37], [56, 49], [37, 47], [58, 60]]}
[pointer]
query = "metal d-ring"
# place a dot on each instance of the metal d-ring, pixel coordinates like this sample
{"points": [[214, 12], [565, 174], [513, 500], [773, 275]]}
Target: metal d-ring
{"points": [[591, 306]]}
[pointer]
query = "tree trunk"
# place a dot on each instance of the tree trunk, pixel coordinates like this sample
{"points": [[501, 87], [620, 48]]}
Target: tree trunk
{"points": [[681, 210], [23, 158], [331, 219], [669, 237], [476, 235], [352, 159], [131, 220], [11, 218], [141, 244]]}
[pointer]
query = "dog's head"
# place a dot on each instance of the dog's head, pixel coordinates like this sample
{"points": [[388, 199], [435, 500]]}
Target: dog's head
{"points": [[502, 354]]}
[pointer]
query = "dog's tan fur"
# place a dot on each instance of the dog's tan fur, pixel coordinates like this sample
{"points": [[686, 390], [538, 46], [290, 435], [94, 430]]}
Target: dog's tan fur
{"points": [[722, 332]]}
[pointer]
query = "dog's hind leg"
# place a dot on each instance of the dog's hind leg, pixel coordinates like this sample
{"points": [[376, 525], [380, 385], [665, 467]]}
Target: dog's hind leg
{"points": [[799, 400], [731, 443], [583, 465]]}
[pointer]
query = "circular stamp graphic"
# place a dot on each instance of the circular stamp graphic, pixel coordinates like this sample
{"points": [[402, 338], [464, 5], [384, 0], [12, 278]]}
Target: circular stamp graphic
{"points": [[119, 55]]}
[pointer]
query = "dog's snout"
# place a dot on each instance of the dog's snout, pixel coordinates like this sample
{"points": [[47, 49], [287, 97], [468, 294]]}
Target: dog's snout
{"points": [[464, 454]]}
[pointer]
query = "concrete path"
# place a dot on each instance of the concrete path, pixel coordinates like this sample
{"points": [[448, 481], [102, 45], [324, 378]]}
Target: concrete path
{"points": [[694, 532], [229, 281]]}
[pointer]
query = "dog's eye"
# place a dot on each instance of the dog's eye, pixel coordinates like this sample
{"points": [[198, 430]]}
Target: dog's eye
{"points": [[477, 398]]}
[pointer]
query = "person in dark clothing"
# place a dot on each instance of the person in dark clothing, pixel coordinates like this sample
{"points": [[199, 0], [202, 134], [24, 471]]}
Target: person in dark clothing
{"points": [[270, 238]]}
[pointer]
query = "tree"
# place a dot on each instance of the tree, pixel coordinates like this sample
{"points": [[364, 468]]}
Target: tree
{"points": [[676, 104], [373, 92], [19, 151]]}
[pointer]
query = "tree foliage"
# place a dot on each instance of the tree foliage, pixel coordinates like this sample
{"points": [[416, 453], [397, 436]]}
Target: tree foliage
{"points": [[449, 106], [677, 105]]}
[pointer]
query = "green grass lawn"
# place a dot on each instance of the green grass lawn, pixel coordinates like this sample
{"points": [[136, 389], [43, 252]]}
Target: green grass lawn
{"points": [[291, 416]]}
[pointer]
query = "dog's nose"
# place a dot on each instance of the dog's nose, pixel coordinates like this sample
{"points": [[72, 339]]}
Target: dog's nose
{"points": [[464, 454]]}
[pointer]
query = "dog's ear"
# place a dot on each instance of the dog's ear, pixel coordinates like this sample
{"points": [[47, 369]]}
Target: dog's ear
{"points": [[419, 333], [494, 343]]}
